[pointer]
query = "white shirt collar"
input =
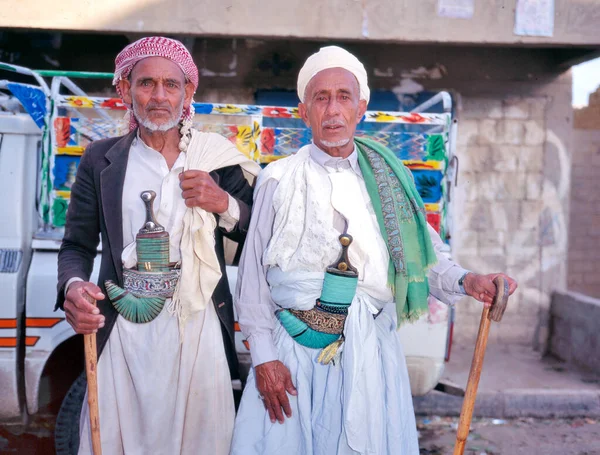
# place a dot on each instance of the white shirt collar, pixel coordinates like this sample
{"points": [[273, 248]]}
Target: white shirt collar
{"points": [[148, 152], [330, 162]]}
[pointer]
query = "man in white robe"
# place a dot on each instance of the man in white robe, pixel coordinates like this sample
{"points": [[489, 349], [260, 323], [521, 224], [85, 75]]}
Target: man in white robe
{"points": [[164, 386], [360, 403]]}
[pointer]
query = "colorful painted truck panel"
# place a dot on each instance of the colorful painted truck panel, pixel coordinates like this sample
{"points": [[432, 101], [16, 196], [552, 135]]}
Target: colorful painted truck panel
{"points": [[264, 134]]}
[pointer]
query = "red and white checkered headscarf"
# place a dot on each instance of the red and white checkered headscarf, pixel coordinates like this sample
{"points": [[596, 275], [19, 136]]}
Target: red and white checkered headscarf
{"points": [[156, 46]]}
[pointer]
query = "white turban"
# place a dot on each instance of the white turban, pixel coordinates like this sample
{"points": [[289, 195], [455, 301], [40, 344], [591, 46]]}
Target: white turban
{"points": [[333, 57]]}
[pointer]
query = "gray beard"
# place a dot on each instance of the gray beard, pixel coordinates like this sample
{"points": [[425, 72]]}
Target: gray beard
{"points": [[339, 143], [150, 125]]}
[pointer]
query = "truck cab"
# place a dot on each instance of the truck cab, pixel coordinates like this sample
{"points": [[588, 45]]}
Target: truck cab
{"points": [[19, 142]]}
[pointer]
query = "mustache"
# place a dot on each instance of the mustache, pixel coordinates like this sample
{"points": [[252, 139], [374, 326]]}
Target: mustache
{"points": [[332, 122], [158, 106]]}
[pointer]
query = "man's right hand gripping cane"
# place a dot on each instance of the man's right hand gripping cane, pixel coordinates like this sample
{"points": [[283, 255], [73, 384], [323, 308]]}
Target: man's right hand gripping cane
{"points": [[274, 382], [84, 317]]}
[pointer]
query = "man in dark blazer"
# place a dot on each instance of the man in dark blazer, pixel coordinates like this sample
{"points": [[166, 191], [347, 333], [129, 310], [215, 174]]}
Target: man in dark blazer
{"points": [[164, 385], [96, 196]]}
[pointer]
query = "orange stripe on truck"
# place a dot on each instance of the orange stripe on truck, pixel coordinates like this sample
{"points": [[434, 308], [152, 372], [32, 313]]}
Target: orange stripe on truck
{"points": [[11, 342], [8, 342], [31, 341], [42, 322]]}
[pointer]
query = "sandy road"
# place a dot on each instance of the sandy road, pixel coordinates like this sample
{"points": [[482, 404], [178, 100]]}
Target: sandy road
{"points": [[523, 436]]}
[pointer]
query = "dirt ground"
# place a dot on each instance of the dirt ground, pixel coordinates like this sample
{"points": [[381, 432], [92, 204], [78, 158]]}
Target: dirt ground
{"points": [[524, 436], [436, 437], [36, 439]]}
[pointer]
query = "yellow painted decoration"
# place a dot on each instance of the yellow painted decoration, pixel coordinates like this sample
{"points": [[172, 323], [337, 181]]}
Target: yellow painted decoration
{"points": [[79, 101], [243, 140], [383, 117], [255, 141], [432, 207], [73, 151], [229, 109], [64, 194], [429, 164], [266, 159]]}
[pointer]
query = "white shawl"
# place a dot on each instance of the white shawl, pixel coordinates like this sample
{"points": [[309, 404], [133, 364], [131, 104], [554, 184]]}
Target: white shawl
{"points": [[200, 270]]}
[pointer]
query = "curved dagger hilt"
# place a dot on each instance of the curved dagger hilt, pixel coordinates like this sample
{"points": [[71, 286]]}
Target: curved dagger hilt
{"points": [[343, 262], [150, 225]]}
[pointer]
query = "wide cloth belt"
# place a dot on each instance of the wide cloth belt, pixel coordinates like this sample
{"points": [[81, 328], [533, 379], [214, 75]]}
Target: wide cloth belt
{"points": [[322, 326], [321, 321], [299, 291]]}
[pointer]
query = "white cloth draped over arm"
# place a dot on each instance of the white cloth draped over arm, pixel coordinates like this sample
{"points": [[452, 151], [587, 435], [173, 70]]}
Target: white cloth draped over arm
{"points": [[255, 308], [200, 270]]}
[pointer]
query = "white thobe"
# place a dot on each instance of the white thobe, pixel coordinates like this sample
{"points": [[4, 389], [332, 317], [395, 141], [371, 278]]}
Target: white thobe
{"points": [[381, 399], [159, 393], [255, 308]]}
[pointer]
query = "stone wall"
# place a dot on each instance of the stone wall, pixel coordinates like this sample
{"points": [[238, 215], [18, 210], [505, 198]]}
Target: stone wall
{"points": [[584, 228], [508, 212]]}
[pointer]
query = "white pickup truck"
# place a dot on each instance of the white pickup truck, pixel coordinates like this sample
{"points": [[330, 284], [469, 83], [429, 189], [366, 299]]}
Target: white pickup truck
{"points": [[43, 132]]}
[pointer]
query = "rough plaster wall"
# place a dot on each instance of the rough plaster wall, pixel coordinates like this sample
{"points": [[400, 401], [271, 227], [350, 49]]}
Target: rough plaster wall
{"points": [[493, 21], [509, 213], [584, 229]]}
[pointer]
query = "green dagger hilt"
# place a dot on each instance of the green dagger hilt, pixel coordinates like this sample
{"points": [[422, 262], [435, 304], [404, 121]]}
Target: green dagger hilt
{"points": [[152, 241]]}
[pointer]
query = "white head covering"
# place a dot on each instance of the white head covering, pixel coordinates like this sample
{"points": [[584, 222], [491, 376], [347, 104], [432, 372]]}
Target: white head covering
{"points": [[333, 57]]}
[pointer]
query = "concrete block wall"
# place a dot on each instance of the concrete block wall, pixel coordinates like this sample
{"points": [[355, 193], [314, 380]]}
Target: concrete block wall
{"points": [[584, 227], [505, 211], [574, 338]]}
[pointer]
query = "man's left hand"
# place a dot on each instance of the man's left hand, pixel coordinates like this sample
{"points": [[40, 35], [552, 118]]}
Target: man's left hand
{"points": [[200, 190], [482, 287]]}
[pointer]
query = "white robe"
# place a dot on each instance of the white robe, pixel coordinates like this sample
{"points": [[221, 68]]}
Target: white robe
{"points": [[362, 404], [159, 394]]}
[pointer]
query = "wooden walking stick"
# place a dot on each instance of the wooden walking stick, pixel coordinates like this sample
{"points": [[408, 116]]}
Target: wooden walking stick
{"points": [[91, 363], [489, 314]]}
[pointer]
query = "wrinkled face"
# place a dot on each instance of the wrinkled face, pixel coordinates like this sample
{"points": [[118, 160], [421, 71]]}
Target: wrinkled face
{"points": [[158, 93], [332, 110]]}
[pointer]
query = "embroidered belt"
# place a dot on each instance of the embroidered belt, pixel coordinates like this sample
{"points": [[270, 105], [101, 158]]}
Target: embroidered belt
{"points": [[321, 321]]}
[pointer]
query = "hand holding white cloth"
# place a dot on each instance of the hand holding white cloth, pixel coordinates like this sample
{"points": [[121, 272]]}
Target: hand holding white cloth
{"points": [[200, 271]]}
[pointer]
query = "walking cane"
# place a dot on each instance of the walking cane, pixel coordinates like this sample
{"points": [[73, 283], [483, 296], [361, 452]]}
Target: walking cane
{"points": [[489, 314], [91, 363]]}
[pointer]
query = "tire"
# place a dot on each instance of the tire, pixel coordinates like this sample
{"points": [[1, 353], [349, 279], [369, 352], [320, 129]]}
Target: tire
{"points": [[66, 431]]}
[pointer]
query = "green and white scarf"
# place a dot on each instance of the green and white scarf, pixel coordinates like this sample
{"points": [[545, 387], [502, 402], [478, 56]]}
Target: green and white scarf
{"points": [[401, 217]]}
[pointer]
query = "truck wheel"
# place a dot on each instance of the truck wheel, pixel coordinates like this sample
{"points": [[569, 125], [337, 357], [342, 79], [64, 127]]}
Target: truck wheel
{"points": [[66, 431]]}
